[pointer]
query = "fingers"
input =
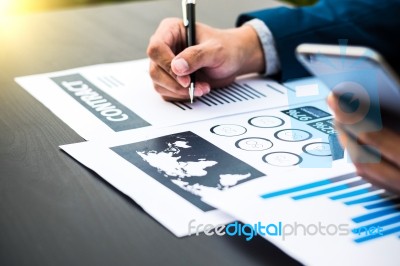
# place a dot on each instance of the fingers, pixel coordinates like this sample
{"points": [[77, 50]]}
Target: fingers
{"points": [[204, 55], [216, 58], [165, 84], [343, 109], [205, 60], [207, 51], [341, 136], [169, 89], [223, 53], [386, 170], [382, 173], [160, 54], [386, 142], [165, 42]]}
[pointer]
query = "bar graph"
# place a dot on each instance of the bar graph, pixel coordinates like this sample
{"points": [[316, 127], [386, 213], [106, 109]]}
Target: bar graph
{"points": [[233, 93], [382, 208]]}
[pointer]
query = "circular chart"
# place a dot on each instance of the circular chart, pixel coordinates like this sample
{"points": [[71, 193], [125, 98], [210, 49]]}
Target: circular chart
{"points": [[292, 135], [318, 149], [282, 159], [254, 144], [228, 130], [266, 121]]}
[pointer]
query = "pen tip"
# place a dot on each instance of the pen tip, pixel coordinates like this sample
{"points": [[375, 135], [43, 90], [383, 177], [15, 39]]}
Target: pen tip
{"points": [[191, 92]]}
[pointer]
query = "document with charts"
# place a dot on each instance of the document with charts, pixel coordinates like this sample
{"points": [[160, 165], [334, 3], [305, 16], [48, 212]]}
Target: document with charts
{"points": [[103, 99], [319, 219], [168, 170]]}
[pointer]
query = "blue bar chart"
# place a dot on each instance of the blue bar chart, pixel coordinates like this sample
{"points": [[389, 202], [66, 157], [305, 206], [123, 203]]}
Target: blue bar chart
{"points": [[382, 209]]}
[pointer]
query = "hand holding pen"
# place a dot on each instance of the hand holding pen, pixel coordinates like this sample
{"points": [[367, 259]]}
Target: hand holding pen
{"points": [[218, 57]]}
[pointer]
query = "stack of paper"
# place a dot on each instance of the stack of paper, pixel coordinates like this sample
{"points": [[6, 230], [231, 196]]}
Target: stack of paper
{"points": [[256, 151]]}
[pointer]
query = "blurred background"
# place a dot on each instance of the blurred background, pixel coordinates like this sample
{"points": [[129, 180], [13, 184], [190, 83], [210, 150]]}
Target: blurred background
{"points": [[16, 7]]}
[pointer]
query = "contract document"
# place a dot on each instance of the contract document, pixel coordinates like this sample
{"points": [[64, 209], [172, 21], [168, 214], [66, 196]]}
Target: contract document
{"points": [[100, 100]]}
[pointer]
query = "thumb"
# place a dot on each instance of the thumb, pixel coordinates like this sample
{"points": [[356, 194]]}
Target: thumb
{"points": [[194, 58], [330, 100]]}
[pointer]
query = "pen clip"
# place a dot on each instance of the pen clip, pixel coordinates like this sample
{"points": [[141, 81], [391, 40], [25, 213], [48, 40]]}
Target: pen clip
{"points": [[184, 11]]}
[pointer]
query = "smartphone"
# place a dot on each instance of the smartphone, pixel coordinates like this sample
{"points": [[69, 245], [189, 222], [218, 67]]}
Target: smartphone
{"points": [[368, 88]]}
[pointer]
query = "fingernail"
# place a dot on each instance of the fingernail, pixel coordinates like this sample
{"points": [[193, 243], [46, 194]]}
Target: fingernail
{"points": [[206, 89], [180, 65], [198, 92], [183, 81]]}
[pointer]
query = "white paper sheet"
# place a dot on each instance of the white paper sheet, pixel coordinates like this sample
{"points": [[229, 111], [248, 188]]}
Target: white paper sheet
{"points": [[99, 100], [167, 170], [323, 214]]}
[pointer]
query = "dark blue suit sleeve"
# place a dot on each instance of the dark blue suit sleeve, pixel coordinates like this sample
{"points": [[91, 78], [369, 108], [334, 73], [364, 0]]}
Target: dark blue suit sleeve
{"points": [[371, 23]]}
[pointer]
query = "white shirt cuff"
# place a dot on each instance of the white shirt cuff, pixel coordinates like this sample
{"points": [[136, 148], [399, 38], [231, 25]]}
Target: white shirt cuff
{"points": [[268, 43]]}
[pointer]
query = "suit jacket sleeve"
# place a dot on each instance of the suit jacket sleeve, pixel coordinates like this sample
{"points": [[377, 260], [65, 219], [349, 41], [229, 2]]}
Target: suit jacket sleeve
{"points": [[369, 23]]}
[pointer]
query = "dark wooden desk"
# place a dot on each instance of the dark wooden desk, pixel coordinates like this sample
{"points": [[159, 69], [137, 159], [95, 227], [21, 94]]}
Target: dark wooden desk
{"points": [[53, 211]]}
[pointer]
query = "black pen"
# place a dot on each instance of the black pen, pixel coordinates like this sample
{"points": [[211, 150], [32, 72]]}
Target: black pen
{"points": [[189, 21]]}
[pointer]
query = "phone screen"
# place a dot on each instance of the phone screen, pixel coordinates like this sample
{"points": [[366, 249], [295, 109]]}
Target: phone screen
{"points": [[366, 87], [378, 83]]}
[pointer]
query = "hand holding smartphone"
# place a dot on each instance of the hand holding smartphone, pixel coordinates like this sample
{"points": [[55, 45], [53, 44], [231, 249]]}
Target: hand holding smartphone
{"points": [[366, 104]]}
